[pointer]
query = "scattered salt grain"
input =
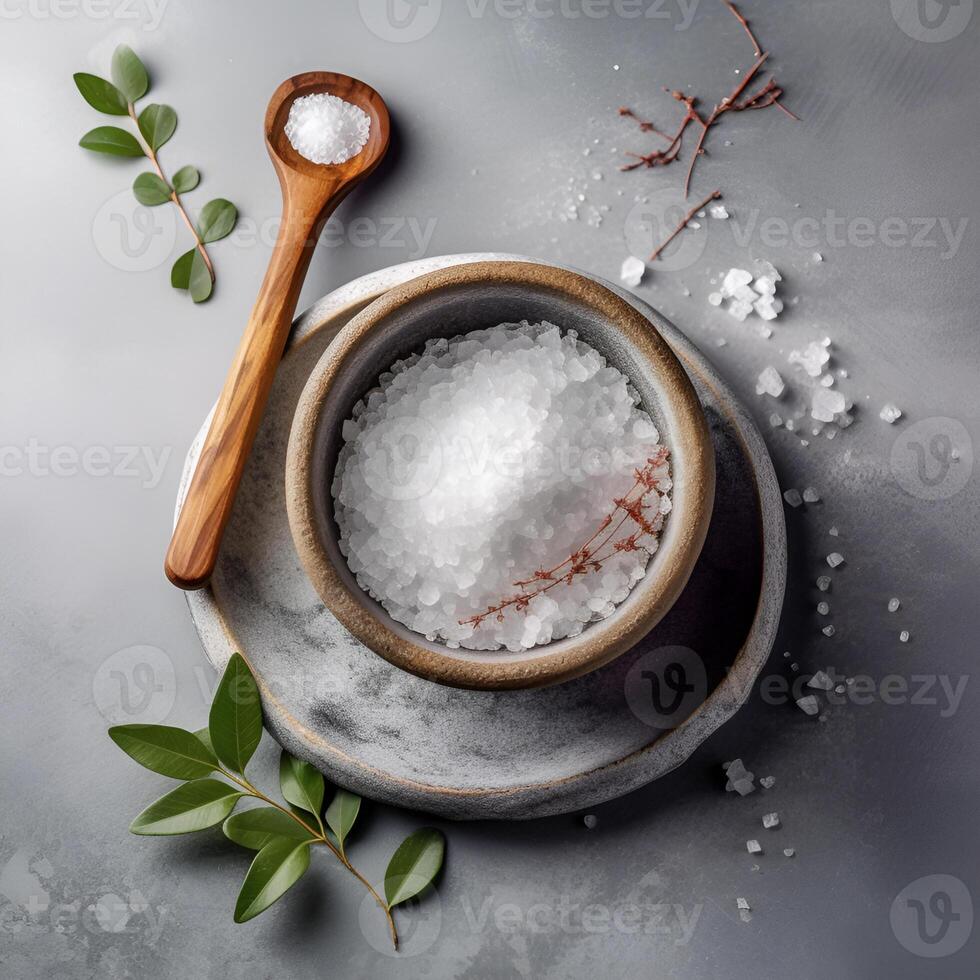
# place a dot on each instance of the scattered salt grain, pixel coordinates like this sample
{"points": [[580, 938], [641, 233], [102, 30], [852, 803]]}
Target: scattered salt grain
{"points": [[767, 782], [828, 630], [770, 821], [742, 904], [325, 129], [718, 211], [793, 498], [810, 495], [808, 705], [769, 383], [715, 299], [834, 559], [817, 257], [823, 608], [789, 851], [440, 531], [820, 681], [632, 270], [825, 404], [591, 821], [905, 636], [833, 532], [753, 847], [812, 358], [740, 780], [890, 413], [823, 583], [894, 605]]}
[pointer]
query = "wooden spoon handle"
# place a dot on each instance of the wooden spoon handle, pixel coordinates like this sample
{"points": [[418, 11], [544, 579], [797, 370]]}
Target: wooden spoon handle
{"points": [[197, 537]]}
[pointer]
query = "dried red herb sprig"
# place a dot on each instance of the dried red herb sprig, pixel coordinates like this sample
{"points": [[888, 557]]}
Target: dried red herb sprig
{"points": [[713, 196], [600, 547], [768, 95]]}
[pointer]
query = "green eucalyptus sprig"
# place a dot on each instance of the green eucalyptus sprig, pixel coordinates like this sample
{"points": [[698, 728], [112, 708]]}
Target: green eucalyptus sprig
{"points": [[282, 835], [155, 125]]}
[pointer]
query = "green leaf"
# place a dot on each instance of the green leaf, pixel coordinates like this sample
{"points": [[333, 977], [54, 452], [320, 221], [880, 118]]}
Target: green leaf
{"points": [[113, 140], [201, 282], [101, 94], [186, 179], [217, 219], [169, 751], [342, 813], [259, 826], [414, 865], [157, 124], [301, 784], [205, 736], [151, 190], [194, 806], [235, 721], [129, 74], [275, 869], [180, 278]]}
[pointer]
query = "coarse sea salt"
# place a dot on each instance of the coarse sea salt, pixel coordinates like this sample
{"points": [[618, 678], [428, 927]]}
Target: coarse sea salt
{"points": [[325, 129], [482, 460]]}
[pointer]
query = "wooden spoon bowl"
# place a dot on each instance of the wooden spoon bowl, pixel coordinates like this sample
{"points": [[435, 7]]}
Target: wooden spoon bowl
{"points": [[310, 193]]}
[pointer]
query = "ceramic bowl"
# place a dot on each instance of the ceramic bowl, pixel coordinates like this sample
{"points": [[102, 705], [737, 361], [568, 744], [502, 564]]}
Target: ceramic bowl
{"points": [[444, 304]]}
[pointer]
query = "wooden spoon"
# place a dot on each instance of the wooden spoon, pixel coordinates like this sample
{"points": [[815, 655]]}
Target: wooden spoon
{"points": [[310, 193]]}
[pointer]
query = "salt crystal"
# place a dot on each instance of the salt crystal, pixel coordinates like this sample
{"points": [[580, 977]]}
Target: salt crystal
{"points": [[742, 904], [833, 532], [817, 257], [775, 420], [821, 681], [740, 309], [834, 559], [828, 630], [812, 358], [893, 605], [769, 383], [810, 495], [905, 636], [733, 279], [825, 404], [823, 608], [740, 780], [591, 821], [890, 413], [439, 531], [767, 782], [770, 821], [718, 211], [793, 498], [789, 851], [823, 583], [808, 704], [753, 847], [325, 129], [715, 299], [765, 285], [632, 270]]}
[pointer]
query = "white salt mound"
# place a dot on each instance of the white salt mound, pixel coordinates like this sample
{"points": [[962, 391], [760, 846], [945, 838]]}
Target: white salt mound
{"points": [[326, 129], [482, 460]]}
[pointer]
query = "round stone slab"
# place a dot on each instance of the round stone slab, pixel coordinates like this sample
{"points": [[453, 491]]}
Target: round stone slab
{"points": [[394, 737]]}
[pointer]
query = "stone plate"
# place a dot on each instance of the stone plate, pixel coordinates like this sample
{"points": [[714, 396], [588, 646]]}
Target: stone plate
{"points": [[394, 737]]}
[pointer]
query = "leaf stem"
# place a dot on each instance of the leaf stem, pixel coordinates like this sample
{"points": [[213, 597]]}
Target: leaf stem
{"points": [[320, 838], [174, 196]]}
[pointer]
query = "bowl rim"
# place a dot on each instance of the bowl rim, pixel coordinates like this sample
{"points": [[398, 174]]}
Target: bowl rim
{"points": [[691, 452]]}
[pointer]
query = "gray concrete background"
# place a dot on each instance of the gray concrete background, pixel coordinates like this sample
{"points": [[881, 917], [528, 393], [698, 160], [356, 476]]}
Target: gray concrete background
{"points": [[495, 107]]}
